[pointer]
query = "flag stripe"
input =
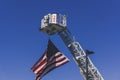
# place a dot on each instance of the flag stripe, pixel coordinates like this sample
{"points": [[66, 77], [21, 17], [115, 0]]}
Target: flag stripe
{"points": [[44, 62], [56, 58], [62, 61], [40, 65], [58, 54], [52, 67], [37, 78], [51, 62], [55, 63], [40, 68], [39, 61]]}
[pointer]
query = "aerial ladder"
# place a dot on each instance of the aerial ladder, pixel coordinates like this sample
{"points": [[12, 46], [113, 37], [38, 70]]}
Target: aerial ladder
{"points": [[56, 23]]}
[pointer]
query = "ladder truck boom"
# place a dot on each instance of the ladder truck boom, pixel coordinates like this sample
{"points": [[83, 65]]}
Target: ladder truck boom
{"points": [[56, 23]]}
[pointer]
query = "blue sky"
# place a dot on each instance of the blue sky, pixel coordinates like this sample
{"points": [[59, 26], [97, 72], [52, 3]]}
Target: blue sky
{"points": [[95, 24]]}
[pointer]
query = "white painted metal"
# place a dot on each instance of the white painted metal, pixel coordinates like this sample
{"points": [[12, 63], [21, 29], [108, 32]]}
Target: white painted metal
{"points": [[56, 23], [53, 23]]}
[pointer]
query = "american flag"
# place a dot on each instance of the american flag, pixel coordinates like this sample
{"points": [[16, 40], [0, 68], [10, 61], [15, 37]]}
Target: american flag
{"points": [[50, 60]]}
